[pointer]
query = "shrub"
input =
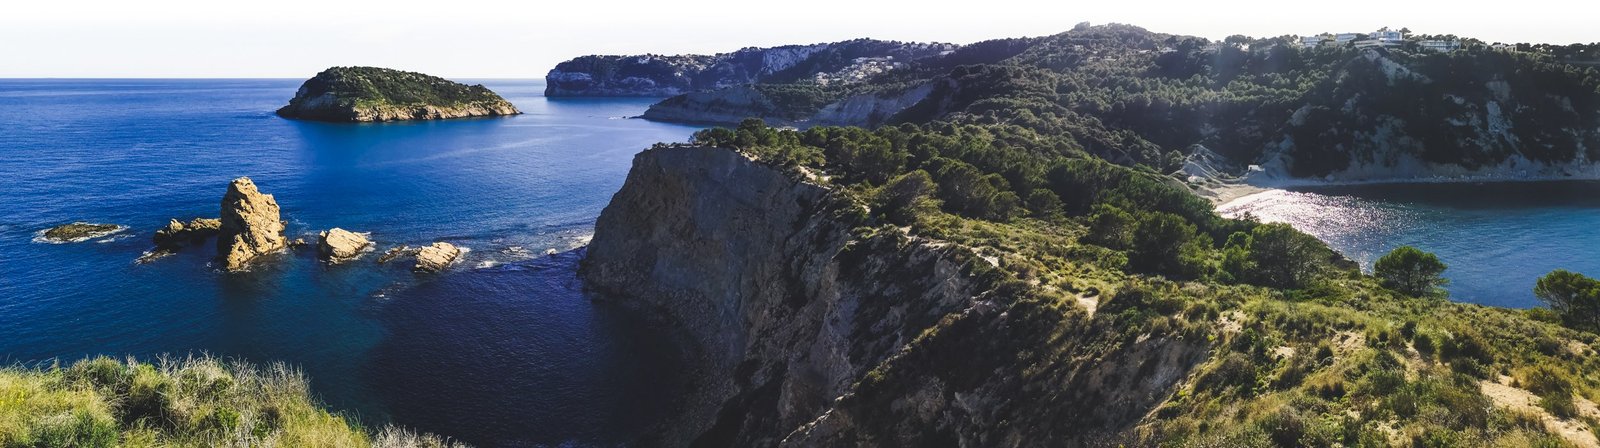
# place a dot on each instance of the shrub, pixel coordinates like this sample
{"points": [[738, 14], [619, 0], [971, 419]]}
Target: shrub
{"points": [[1573, 296], [1235, 371], [1411, 272]]}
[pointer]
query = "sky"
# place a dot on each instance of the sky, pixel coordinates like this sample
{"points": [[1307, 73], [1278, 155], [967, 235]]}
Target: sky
{"points": [[524, 39]]}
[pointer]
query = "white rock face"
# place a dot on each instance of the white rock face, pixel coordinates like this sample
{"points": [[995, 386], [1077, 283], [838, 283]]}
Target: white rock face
{"points": [[339, 245], [251, 225], [436, 257]]}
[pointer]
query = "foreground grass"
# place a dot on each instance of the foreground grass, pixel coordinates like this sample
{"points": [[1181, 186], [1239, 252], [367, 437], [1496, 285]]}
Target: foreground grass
{"points": [[192, 402]]}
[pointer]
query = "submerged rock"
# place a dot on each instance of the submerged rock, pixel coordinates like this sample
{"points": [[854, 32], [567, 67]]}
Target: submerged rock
{"points": [[339, 245], [361, 94], [250, 225], [177, 234], [396, 252], [79, 231], [436, 257]]}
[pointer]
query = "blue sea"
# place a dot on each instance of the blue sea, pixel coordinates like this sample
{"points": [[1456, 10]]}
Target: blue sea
{"points": [[1497, 238], [505, 349]]}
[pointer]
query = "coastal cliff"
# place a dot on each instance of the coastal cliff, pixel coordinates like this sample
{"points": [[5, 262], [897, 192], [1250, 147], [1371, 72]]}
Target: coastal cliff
{"points": [[371, 94], [798, 312], [732, 105], [663, 76]]}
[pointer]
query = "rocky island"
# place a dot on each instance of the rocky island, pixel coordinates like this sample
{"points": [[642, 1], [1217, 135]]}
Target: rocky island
{"points": [[371, 94], [78, 232]]}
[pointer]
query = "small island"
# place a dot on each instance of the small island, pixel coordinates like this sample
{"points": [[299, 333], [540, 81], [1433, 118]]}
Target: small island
{"points": [[372, 94]]}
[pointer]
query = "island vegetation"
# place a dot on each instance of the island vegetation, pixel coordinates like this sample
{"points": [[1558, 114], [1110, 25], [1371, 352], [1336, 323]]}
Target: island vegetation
{"points": [[380, 94]]}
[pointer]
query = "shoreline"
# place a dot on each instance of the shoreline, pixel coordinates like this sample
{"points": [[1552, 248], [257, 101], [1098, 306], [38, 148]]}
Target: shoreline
{"points": [[1224, 192]]}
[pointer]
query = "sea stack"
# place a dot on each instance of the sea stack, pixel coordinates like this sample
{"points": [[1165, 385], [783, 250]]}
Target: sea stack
{"points": [[339, 245], [367, 94], [250, 226]]}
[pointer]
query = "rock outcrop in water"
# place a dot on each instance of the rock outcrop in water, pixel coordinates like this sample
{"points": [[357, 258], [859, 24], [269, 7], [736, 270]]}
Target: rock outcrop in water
{"points": [[79, 231], [361, 94], [250, 226], [339, 245], [177, 234], [794, 312], [436, 257]]}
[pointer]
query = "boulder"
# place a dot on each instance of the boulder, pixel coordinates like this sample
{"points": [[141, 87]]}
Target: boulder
{"points": [[250, 225], [79, 231], [177, 234], [436, 257], [339, 245]]}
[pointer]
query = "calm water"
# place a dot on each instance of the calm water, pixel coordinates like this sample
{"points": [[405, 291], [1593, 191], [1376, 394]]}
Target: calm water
{"points": [[505, 349], [1497, 238]]}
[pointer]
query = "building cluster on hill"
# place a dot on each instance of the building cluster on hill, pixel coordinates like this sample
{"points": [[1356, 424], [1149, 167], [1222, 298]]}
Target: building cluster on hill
{"points": [[1383, 38]]}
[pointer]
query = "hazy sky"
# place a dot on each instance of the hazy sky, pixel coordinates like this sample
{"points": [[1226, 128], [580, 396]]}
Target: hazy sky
{"points": [[524, 39]]}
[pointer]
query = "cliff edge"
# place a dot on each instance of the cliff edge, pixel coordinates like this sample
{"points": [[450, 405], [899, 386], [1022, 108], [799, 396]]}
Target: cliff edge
{"points": [[796, 308]]}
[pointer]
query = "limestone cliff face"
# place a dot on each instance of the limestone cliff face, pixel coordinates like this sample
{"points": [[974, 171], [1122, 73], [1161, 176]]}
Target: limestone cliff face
{"points": [[732, 105], [251, 225], [796, 309], [369, 94], [663, 76]]}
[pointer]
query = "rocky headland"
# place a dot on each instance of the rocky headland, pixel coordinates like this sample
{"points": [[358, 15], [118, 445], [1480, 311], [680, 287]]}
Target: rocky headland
{"points": [[369, 94], [662, 76], [795, 306]]}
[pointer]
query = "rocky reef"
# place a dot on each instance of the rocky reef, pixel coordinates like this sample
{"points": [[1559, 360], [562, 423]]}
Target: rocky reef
{"points": [[795, 307], [78, 232], [662, 76], [177, 234], [367, 94], [250, 225]]}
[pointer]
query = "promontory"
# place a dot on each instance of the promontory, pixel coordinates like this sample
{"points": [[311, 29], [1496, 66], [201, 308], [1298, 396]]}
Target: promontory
{"points": [[370, 94]]}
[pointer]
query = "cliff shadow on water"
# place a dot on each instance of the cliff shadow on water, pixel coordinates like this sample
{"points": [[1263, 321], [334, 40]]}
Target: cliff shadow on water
{"points": [[518, 355]]}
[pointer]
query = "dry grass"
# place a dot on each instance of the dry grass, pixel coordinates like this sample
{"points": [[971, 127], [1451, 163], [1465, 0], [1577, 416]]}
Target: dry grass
{"points": [[188, 402]]}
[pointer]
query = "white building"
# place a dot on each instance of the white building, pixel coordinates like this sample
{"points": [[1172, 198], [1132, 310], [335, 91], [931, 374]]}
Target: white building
{"points": [[1344, 38], [1440, 45]]}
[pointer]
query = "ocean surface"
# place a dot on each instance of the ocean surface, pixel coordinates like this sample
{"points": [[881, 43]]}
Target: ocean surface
{"points": [[1497, 238], [505, 349]]}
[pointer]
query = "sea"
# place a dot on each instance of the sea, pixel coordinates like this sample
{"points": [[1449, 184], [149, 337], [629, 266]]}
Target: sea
{"points": [[505, 348], [1496, 238]]}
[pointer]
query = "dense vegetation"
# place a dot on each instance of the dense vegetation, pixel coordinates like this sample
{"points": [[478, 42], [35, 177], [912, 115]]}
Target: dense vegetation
{"points": [[193, 402], [373, 86], [1287, 343], [1135, 97]]}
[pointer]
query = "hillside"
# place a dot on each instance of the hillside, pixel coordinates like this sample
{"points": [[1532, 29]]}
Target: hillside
{"points": [[838, 63], [1137, 97], [976, 285], [365, 94]]}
